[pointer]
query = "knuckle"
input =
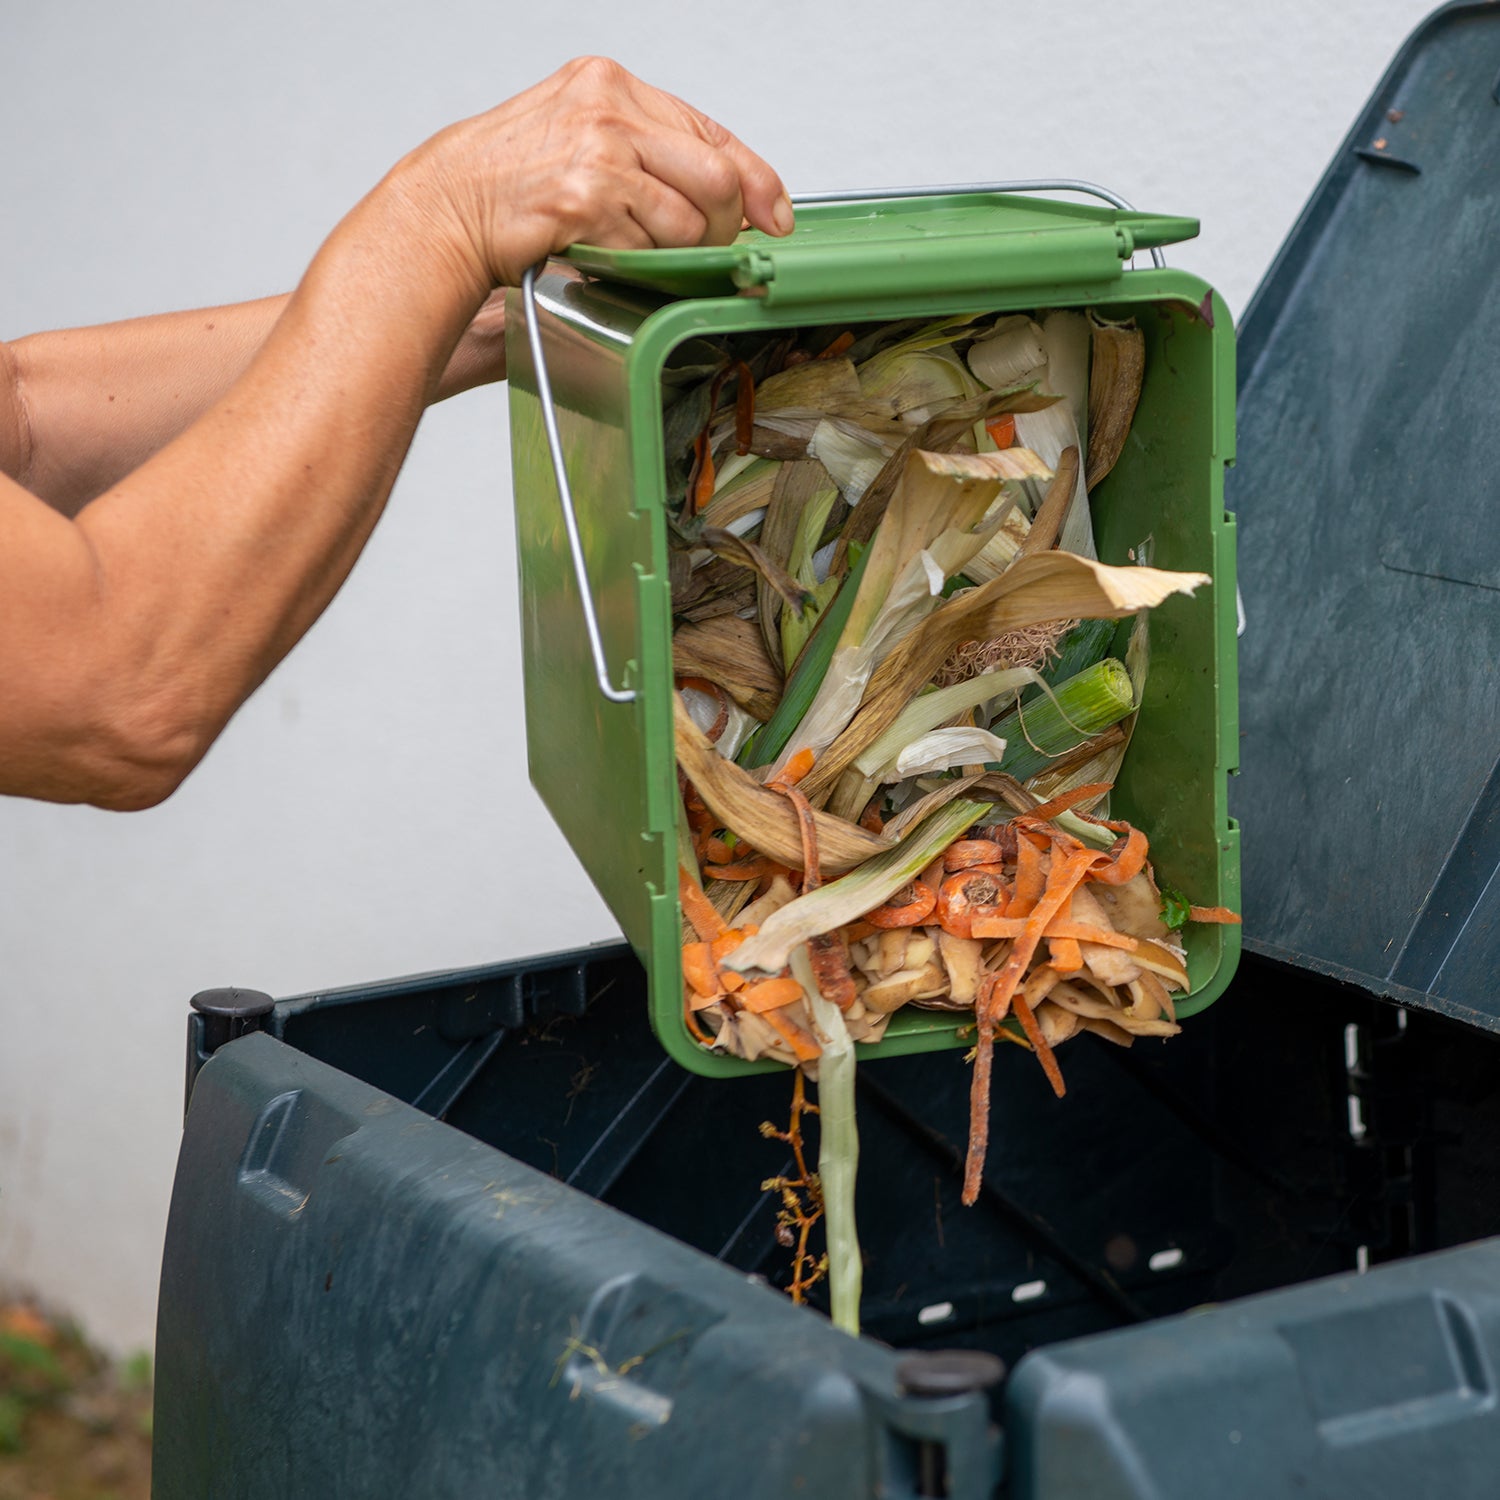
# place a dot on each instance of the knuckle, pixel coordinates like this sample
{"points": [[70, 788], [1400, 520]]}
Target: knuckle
{"points": [[690, 227], [713, 132], [572, 199], [600, 72], [721, 179]]}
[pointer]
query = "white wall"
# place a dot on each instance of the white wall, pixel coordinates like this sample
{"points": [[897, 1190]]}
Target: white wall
{"points": [[363, 815]]}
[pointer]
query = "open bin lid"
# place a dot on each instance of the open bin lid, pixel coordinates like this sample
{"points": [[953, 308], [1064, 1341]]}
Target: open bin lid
{"points": [[1369, 450], [865, 247]]}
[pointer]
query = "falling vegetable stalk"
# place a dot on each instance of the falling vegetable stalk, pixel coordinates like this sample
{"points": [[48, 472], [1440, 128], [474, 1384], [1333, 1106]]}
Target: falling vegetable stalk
{"points": [[838, 1148]]}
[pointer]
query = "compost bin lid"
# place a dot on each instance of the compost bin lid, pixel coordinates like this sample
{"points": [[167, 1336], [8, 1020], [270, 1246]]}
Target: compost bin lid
{"points": [[947, 241], [1369, 450]]}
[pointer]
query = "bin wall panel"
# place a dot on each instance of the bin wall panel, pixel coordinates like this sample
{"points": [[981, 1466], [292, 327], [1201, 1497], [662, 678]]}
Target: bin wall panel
{"points": [[1380, 1386], [1370, 553], [481, 1327]]}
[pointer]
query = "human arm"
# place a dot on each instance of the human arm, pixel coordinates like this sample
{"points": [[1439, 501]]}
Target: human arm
{"points": [[130, 635], [95, 403]]}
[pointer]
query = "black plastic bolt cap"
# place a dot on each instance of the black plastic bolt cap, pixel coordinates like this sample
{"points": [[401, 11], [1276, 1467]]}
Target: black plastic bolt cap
{"points": [[949, 1372], [232, 1002]]}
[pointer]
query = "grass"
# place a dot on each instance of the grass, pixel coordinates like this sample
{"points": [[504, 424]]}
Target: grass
{"points": [[74, 1425]]}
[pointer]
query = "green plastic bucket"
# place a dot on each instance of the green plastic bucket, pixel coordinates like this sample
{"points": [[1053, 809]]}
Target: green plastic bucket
{"points": [[597, 652]]}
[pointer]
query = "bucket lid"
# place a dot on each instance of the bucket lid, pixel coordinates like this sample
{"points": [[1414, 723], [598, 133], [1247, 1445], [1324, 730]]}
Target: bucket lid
{"points": [[943, 241], [1369, 450]]}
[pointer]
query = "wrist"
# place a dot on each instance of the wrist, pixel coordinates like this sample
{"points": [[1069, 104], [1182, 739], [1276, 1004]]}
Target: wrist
{"points": [[407, 233]]}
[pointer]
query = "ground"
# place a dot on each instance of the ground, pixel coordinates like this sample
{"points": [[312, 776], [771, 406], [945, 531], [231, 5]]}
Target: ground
{"points": [[73, 1424]]}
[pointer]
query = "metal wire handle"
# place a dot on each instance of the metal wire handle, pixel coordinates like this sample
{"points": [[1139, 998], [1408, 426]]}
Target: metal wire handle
{"points": [[565, 494], [549, 409]]}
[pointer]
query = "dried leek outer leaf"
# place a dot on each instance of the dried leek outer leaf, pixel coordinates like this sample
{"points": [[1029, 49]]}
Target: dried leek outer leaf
{"points": [[1034, 591], [729, 651], [928, 710], [885, 371], [1052, 513], [742, 493], [852, 455], [838, 1147], [949, 432], [944, 793], [942, 749], [1119, 370], [1001, 550], [746, 554], [818, 385], [796, 486], [1068, 345], [935, 522], [1010, 355], [763, 819], [862, 890], [918, 383]]}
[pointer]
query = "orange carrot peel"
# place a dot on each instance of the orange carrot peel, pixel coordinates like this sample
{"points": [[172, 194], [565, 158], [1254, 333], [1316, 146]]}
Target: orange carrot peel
{"points": [[1002, 430], [1069, 869], [1220, 914], [700, 912], [909, 907], [977, 891]]}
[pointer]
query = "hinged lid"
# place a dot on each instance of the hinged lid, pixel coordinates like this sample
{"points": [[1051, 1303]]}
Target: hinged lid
{"points": [[1369, 458], [965, 241]]}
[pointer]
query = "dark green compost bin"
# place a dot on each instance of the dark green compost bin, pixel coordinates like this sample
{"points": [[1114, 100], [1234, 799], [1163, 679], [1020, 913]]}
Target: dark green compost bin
{"points": [[475, 1234]]}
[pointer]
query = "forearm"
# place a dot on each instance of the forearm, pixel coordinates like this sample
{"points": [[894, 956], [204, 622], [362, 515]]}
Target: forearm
{"points": [[210, 560], [96, 403]]}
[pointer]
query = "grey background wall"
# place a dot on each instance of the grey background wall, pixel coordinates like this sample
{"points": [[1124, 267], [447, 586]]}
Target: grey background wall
{"points": [[368, 812]]}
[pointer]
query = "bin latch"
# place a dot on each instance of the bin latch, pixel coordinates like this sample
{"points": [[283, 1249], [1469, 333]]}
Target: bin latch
{"points": [[220, 1016]]}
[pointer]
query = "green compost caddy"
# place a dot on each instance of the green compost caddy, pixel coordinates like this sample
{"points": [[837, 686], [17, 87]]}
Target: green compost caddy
{"points": [[473, 1233], [588, 342]]}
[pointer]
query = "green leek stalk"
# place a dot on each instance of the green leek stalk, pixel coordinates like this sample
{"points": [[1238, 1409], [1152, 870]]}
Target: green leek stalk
{"points": [[838, 1148], [762, 748], [1085, 644], [1084, 705]]}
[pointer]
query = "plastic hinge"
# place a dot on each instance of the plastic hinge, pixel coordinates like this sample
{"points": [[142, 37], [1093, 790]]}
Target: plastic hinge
{"points": [[798, 274]]}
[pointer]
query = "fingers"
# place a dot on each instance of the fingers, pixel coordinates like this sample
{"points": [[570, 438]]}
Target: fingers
{"points": [[762, 195], [670, 216], [709, 165], [706, 180]]}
